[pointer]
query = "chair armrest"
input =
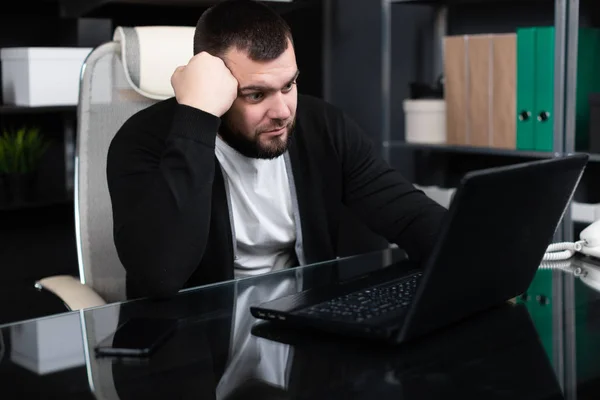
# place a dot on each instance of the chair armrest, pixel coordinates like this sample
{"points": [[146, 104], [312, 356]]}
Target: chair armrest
{"points": [[71, 291]]}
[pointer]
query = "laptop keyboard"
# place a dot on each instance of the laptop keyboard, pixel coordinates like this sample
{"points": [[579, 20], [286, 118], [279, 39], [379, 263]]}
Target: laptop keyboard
{"points": [[367, 303]]}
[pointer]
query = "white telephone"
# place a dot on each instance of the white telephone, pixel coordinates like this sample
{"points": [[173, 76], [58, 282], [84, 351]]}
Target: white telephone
{"points": [[589, 244]]}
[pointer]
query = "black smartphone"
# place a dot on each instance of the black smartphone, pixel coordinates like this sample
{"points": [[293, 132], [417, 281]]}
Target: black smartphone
{"points": [[137, 337]]}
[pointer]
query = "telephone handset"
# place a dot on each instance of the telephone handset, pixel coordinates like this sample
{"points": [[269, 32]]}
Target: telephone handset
{"points": [[589, 244]]}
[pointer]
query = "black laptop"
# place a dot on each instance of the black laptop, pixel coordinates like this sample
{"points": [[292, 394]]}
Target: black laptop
{"points": [[498, 227]]}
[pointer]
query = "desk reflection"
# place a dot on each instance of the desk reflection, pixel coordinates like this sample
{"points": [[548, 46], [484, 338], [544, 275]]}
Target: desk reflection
{"points": [[226, 354], [220, 351], [48, 345]]}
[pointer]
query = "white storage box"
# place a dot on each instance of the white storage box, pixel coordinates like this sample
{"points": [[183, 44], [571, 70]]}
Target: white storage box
{"points": [[42, 76], [425, 121]]}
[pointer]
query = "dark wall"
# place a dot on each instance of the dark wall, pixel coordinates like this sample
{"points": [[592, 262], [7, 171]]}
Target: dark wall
{"points": [[352, 73], [306, 24], [412, 61], [353, 69], [354, 64]]}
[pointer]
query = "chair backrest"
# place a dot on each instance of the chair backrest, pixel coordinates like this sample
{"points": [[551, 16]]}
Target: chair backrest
{"points": [[118, 79]]}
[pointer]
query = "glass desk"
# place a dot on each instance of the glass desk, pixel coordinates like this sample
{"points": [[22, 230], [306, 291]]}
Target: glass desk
{"points": [[535, 347]]}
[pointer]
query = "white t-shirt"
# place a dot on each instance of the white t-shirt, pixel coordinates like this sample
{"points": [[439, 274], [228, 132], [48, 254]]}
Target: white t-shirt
{"points": [[264, 231], [261, 209]]}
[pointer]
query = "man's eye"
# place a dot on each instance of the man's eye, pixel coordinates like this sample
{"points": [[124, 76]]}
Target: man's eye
{"points": [[288, 87], [254, 96]]}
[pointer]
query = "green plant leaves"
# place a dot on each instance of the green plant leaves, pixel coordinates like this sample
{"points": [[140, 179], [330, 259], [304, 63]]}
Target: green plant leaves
{"points": [[21, 151]]}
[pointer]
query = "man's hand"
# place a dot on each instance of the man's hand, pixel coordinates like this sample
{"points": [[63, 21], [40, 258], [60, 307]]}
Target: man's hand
{"points": [[206, 84]]}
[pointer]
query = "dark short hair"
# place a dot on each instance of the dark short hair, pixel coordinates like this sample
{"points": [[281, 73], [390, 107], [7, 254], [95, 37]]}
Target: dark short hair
{"points": [[247, 25]]}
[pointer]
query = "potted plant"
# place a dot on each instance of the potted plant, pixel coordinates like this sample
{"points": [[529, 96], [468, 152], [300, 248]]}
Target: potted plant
{"points": [[20, 154]]}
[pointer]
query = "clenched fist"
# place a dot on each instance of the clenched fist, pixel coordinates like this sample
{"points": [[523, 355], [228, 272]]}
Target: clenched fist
{"points": [[205, 83]]}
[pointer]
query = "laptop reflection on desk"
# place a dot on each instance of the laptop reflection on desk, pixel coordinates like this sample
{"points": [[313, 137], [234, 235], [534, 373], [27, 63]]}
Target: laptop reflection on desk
{"points": [[495, 355]]}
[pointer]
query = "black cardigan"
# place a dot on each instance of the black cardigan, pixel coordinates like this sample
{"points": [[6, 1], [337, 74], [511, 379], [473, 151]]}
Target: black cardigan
{"points": [[170, 211]]}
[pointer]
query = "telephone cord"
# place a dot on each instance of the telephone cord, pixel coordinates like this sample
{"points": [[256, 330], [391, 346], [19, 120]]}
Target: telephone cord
{"points": [[562, 250]]}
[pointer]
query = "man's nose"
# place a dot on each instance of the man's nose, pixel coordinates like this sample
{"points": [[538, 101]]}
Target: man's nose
{"points": [[278, 109]]}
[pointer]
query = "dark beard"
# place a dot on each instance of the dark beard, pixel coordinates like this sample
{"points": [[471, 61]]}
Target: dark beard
{"points": [[252, 148]]}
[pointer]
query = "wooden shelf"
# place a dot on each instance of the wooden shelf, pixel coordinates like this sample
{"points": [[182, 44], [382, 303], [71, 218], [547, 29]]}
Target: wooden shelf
{"points": [[473, 150], [6, 109]]}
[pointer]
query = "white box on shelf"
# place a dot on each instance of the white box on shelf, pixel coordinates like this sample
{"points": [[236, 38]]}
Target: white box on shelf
{"points": [[42, 76], [585, 212], [425, 121]]}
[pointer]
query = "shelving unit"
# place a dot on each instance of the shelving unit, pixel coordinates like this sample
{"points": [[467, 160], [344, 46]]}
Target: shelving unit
{"points": [[565, 24], [563, 346], [59, 124], [469, 150]]}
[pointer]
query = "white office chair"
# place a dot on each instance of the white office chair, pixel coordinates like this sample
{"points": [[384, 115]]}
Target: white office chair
{"points": [[118, 79]]}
